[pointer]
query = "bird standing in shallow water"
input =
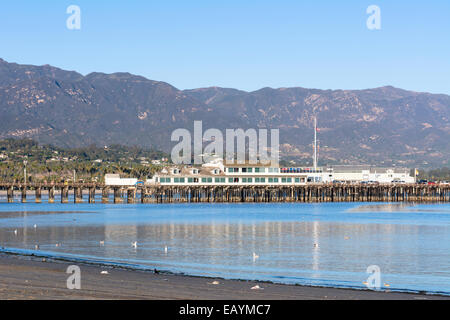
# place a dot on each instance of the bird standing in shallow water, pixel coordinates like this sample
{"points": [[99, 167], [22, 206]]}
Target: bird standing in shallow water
{"points": [[255, 256], [165, 249], [15, 232], [134, 244]]}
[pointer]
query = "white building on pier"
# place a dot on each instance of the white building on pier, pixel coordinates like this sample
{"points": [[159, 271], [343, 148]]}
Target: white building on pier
{"points": [[218, 173]]}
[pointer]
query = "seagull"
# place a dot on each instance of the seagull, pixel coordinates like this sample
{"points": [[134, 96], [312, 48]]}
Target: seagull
{"points": [[214, 282], [165, 249], [256, 288], [316, 245], [36, 247], [255, 256], [134, 244], [15, 232], [102, 242], [104, 272], [35, 226]]}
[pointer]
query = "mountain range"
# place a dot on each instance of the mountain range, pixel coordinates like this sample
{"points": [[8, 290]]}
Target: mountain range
{"points": [[382, 126]]}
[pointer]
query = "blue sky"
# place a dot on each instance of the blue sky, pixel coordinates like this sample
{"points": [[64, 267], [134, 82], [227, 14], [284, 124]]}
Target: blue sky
{"points": [[241, 44]]}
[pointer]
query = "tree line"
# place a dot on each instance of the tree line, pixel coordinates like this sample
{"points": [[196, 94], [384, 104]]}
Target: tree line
{"points": [[47, 163], [441, 174]]}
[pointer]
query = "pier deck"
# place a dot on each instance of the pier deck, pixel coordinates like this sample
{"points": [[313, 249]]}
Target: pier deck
{"points": [[86, 192]]}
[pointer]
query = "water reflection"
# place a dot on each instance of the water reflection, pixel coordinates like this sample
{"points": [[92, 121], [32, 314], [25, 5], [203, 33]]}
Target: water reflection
{"points": [[311, 247], [384, 207]]}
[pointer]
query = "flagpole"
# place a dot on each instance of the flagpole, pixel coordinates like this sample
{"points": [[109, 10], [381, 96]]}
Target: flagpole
{"points": [[315, 143]]}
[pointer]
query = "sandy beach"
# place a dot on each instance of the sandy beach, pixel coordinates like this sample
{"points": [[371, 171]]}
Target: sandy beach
{"points": [[37, 278]]}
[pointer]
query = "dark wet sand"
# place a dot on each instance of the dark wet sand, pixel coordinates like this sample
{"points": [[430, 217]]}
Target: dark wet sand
{"points": [[32, 278]]}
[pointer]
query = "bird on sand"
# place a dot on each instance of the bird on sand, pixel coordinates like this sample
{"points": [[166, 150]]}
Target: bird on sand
{"points": [[257, 287]]}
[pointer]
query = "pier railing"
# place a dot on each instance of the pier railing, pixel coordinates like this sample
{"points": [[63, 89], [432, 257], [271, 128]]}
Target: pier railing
{"points": [[86, 192]]}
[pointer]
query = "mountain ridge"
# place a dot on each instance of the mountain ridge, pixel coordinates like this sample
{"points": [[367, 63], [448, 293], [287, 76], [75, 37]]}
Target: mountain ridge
{"points": [[384, 125]]}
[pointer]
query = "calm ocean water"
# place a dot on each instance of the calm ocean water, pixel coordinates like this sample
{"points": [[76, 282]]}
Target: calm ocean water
{"points": [[327, 244]]}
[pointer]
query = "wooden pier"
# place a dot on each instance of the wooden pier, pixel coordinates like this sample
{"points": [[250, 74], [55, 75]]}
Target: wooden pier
{"points": [[86, 192]]}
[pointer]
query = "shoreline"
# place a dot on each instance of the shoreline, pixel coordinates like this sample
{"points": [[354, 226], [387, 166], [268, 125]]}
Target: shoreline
{"points": [[35, 277]]}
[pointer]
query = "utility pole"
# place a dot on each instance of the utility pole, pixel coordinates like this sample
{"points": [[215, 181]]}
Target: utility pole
{"points": [[25, 171]]}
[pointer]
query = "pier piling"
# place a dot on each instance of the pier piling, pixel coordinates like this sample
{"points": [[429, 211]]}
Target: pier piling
{"points": [[91, 195], [131, 193], [37, 197], [105, 195], [118, 195], [10, 194], [77, 195], [65, 194], [51, 194], [24, 194], [226, 193]]}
